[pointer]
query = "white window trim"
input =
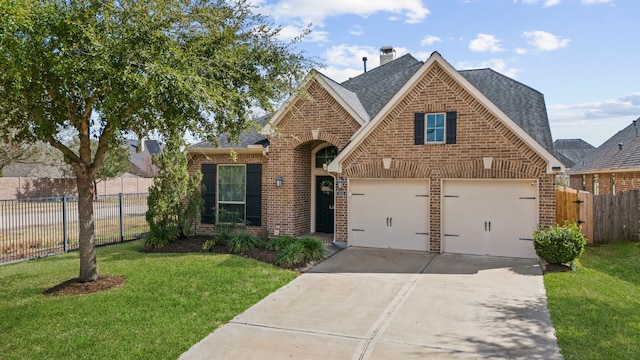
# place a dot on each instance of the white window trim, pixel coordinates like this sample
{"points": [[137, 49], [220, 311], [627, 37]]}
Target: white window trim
{"points": [[426, 128], [218, 201]]}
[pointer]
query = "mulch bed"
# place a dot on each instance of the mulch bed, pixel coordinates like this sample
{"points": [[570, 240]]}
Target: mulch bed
{"points": [[191, 244]]}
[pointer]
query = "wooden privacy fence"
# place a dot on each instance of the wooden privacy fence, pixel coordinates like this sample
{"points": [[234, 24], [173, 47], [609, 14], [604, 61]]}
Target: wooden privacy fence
{"points": [[604, 218]]}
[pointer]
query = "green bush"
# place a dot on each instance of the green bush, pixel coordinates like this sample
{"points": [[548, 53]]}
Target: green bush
{"points": [[300, 251], [559, 244], [160, 237], [313, 248], [241, 243], [280, 242], [291, 255]]}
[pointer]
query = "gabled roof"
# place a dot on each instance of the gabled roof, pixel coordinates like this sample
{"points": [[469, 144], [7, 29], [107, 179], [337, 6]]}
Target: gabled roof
{"points": [[620, 153], [573, 150], [522, 104], [529, 115], [376, 87]]}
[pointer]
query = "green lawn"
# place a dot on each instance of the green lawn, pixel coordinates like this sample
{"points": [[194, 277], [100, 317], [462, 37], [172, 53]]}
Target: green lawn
{"points": [[596, 309], [168, 303]]}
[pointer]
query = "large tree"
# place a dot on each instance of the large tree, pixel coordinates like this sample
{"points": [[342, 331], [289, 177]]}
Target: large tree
{"points": [[107, 68]]}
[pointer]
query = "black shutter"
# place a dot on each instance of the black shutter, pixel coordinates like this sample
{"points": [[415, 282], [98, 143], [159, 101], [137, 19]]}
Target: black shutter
{"points": [[452, 117], [418, 129], [254, 194], [208, 215]]}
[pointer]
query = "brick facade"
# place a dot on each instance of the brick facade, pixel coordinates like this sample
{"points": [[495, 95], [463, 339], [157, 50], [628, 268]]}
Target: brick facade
{"points": [[317, 118], [624, 181], [479, 134]]}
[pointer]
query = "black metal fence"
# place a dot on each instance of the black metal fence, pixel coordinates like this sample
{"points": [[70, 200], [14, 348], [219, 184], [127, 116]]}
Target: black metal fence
{"points": [[32, 228]]}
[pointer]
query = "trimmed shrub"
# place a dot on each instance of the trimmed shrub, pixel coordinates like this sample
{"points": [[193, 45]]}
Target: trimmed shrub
{"points": [[280, 242], [241, 243], [559, 244], [160, 237], [291, 255], [300, 251], [313, 248]]}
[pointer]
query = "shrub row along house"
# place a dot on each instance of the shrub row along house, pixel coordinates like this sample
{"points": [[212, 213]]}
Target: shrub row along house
{"points": [[410, 155]]}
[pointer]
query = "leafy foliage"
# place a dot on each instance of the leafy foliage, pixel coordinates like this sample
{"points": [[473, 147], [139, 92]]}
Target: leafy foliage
{"points": [[241, 243], [174, 200], [559, 244], [280, 242], [103, 69], [300, 251]]}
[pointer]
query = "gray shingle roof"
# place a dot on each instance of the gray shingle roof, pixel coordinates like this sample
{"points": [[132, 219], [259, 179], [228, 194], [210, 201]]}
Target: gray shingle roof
{"points": [[251, 136], [573, 150], [609, 156], [522, 104], [369, 92], [376, 87]]}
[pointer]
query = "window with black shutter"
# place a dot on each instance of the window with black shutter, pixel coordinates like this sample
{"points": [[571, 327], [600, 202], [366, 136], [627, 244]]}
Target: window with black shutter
{"points": [[209, 182], [435, 128]]}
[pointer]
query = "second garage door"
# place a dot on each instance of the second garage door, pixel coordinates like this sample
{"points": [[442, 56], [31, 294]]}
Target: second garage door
{"points": [[490, 217], [389, 214]]}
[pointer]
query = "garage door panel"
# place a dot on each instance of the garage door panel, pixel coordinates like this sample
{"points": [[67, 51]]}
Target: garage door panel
{"points": [[392, 213], [495, 217]]}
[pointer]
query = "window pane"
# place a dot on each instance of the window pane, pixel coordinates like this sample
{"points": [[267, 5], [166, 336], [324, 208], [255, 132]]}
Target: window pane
{"points": [[326, 155], [440, 121], [231, 183], [435, 127], [231, 213], [431, 121]]}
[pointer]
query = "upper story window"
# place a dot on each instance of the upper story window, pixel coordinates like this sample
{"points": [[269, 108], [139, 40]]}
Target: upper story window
{"points": [[435, 128], [326, 155]]}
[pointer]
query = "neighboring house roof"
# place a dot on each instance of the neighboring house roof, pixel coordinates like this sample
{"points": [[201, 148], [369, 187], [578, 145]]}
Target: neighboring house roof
{"points": [[152, 146], [573, 150], [620, 153], [250, 137]]}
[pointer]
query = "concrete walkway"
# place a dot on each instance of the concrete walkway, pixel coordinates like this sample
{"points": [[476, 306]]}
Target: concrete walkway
{"points": [[393, 304]]}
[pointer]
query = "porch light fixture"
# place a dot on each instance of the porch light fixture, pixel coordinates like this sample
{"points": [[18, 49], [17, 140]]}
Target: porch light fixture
{"points": [[279, 181], [340, 183]]}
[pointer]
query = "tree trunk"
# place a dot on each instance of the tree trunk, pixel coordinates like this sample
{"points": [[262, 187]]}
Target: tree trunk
{"points": [[88, 263]]}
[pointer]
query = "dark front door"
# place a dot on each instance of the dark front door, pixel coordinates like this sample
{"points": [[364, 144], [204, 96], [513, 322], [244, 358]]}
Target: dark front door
{"points": [[324, 204]]}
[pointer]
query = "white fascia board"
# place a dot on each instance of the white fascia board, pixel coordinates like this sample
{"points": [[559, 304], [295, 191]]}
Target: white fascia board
{"points": [[251, 149], [552, 162]]}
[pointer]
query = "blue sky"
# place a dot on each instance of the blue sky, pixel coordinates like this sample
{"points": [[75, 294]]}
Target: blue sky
{"points": [[583, 55]]}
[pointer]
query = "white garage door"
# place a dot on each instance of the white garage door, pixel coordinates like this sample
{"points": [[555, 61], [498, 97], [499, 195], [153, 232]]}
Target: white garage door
{"points": [[490, 217], [389, 214]]}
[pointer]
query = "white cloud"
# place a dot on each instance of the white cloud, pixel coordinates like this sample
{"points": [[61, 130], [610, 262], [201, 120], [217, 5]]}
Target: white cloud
{"points": [[521, 51], [344, 55], [430, 40], [413, 11], [356, 30], [498, 65], [342, 74], [595, 122], [628, 105], [544, 41], [485, 42], [590, 2], [290, 32], [546, 3]]}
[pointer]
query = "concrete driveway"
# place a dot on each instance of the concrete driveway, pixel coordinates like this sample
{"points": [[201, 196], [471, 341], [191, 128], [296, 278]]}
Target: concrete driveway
{"points": [[392, 304]]}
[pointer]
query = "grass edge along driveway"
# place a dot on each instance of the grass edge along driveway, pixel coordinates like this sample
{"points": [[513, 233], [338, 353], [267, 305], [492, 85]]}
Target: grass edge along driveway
{"points": [[596, 309], [168, 303]]}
